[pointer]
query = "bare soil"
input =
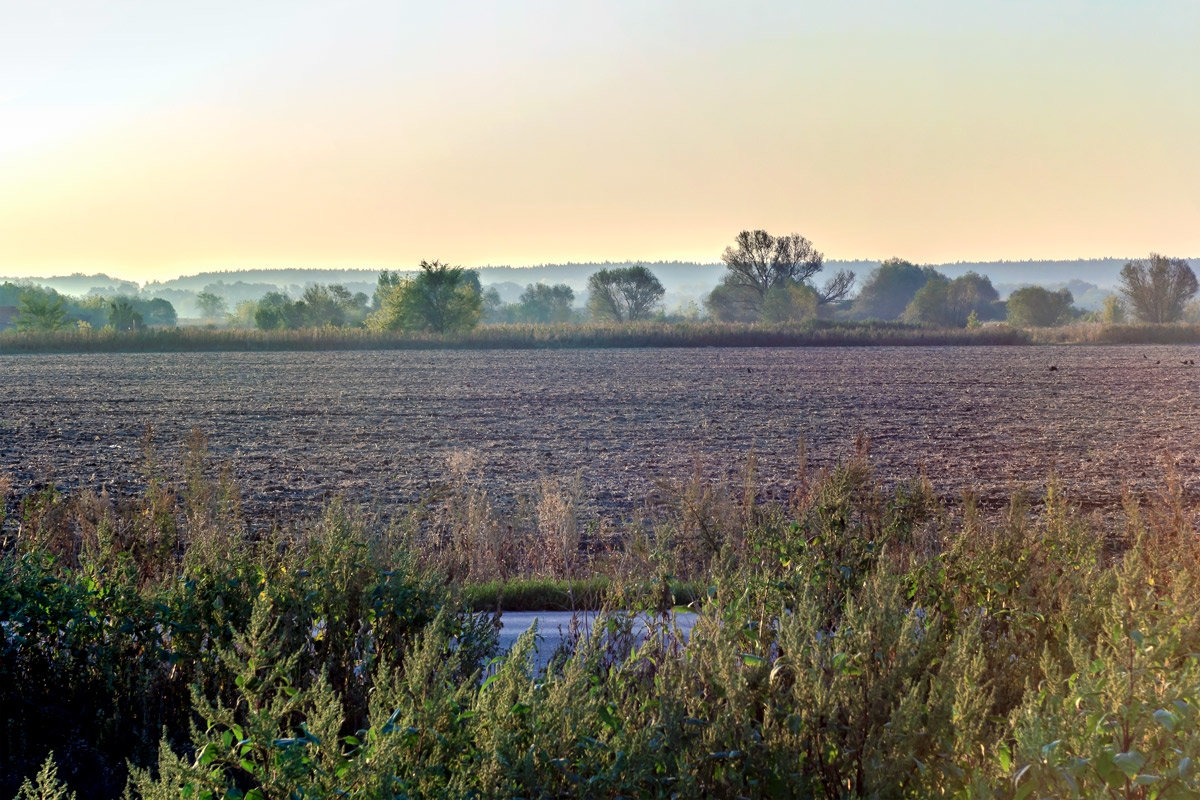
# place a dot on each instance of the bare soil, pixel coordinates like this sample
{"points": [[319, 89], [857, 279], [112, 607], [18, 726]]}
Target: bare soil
{"points": [[382, 428]]}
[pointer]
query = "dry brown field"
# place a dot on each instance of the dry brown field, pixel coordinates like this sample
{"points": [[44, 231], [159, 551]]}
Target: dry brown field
{"points": [[382, 428]]}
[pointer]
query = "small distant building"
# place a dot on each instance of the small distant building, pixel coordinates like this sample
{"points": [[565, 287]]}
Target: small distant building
{"points": [[8, 317]]}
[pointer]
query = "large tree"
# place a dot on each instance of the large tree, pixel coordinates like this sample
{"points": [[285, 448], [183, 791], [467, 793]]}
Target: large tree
{"points": [[950, 303], [1158, 287], [158, 312], [212, 306], [1038, 307], [623, 294], [759, 263], [440, 298], [543, 303], [890, 288], [41, 310], [124, 316]]}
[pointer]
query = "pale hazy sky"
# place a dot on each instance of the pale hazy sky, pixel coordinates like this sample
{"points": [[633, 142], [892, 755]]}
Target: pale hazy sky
{"points": [[150, 139]]}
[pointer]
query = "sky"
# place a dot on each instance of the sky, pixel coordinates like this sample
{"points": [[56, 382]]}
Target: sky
{"points": [[149, 139]]}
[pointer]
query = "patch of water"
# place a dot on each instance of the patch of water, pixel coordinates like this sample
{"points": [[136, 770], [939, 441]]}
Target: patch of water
{"points": [[554, 628]]}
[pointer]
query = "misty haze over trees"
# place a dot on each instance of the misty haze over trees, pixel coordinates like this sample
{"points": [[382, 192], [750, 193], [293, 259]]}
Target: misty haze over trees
{"points": [[763, 278]]}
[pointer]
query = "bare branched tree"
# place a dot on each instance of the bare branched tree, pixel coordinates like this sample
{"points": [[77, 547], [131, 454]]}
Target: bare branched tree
{"points": [[623, 295], [837, 287], [761, 261], [1158, 287]]}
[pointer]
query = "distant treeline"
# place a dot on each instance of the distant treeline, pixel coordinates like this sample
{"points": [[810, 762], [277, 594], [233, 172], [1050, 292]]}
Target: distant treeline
{"points": [[762, 279], [37, 309], [1088, 279]]}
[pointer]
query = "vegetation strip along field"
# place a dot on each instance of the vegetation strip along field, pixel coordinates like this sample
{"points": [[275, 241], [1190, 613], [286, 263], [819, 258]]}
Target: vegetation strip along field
{"points": [[857, 641]]}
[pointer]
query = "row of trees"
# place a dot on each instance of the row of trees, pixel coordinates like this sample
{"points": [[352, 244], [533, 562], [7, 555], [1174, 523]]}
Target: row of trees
{"points": [[768, 279], [773, 279], [319, 307], [624, 294], [441, 298], [1155, 290], [45, 310]]}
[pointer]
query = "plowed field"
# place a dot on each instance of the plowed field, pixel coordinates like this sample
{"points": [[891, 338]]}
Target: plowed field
{"points": [[381, 427]]}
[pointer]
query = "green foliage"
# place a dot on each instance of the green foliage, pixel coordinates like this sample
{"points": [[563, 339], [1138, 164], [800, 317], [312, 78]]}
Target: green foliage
{"points": [[156, 311], [122, 316], [45, 785], [332, 306], [320, 307], [949, 303], [1037, 307], [541, 303], [212, 306], [120, 619], [790, 303], [41, 311], [275, 311], [1113, 311], [44, 311], [439, 299], [890, 288], [730, 302], [859, 641], [386, 282], [625, 294], [1158, 288]]}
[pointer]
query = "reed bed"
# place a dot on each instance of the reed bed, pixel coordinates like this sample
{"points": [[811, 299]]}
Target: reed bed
{"points": [[816, 333]]}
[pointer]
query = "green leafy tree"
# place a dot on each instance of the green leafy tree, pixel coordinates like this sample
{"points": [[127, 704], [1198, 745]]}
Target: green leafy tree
{"points": [[949, 303], [158, 312], [928, 306], [494, 307], [440, 298], [1158, 288], [1038, 307], [10, 293], [123, 316], [322, 308], [276, 311], [92, 310], [1112, 312], [41, 310], [624, 294], [243, 314], [545, 304], [890, 288], [972, 292], [212, 306], [46, 785], [331, 306], [793, 302], [386, 282], [733, 303]]}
